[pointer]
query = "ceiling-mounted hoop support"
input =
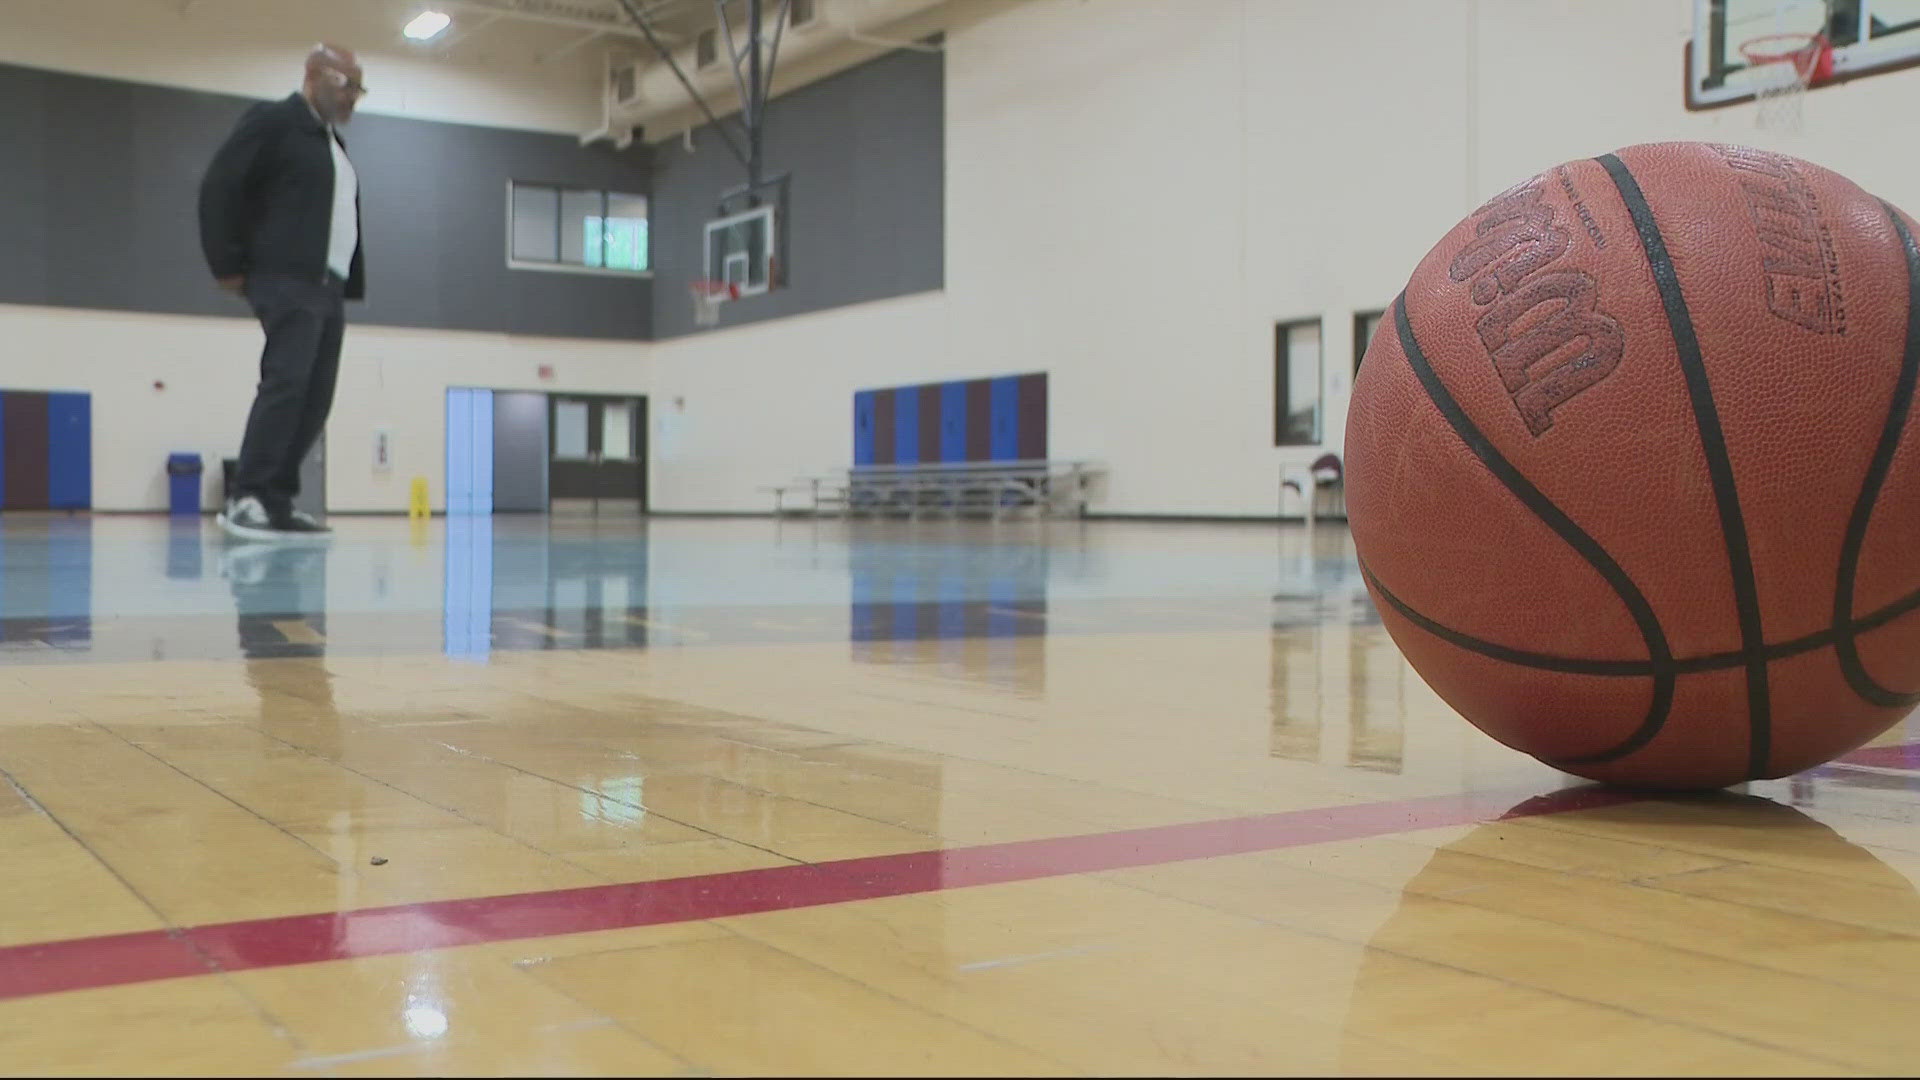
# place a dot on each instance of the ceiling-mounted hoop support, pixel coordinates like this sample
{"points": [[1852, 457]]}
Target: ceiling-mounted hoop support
{"points": [[752, 77]]}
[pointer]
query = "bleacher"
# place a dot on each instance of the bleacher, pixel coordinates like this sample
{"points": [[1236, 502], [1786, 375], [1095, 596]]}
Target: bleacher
{"points": [[992, 489]]}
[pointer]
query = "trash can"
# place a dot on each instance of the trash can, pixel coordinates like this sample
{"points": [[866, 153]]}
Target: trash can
{"points": [[183, 483]]}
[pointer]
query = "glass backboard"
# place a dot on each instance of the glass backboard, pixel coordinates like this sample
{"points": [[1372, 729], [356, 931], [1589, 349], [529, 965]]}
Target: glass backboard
{"points": [[1868, 37]]}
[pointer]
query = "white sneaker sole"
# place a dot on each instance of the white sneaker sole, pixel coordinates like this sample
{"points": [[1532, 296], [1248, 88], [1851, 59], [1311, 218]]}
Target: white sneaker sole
{"points": [[275, 536]]}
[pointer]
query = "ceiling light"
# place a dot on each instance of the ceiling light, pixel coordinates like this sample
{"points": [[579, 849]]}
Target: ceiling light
{"points": [[427, 25]]}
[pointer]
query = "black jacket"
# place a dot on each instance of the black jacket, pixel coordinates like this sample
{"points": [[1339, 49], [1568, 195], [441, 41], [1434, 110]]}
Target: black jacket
{"points": [[266, 202]]}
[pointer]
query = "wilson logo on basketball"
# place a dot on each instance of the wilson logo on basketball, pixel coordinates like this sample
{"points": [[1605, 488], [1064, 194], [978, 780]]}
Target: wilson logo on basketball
{"points": [[1802, 273], [1543, 328]]}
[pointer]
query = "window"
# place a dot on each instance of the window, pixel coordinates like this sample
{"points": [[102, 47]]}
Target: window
{"points": [[536, 231], [562, 228], [616, 431], [569, 430], [1296, 383], [1364, 324], [623, 231], [706, 49], [799, 12], [580, 212]]}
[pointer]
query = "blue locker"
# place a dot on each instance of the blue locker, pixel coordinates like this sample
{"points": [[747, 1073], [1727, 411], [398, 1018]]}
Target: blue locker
{"points": [[469, 451], [459, 452], [1005, 396], [906, 425], [482, 482], [863, 421], [953, 421], [69, 451]]}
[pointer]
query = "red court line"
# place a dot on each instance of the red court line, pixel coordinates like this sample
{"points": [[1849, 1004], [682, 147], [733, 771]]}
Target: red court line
{"points": [[117, 960]]}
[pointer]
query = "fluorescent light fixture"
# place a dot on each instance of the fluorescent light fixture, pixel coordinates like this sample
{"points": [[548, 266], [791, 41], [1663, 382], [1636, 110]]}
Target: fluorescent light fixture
{"points": [[427, 24]]}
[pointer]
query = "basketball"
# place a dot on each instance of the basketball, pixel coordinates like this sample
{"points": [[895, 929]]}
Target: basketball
{"points": [[1632, 470]]}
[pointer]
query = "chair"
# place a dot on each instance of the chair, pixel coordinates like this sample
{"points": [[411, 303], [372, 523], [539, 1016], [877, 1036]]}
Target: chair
{"points": [[1324, 477]]}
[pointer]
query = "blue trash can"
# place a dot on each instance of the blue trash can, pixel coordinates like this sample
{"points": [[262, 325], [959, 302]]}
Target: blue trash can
{"points": [[183, 483]]}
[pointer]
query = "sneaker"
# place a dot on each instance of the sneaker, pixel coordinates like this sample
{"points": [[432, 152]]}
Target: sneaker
{"points": [[247, 519], [300, 521]]}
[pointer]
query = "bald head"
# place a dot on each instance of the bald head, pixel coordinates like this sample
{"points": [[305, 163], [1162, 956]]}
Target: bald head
{"points": [[333, 83]]}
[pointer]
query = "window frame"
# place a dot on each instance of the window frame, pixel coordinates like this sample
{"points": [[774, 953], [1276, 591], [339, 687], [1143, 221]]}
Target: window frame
{"points": [[1282, 383], [1361, 334], [515, 261]]}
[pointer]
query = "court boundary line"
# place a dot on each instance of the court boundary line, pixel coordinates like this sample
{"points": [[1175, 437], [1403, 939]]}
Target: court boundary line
{"points": [[97, 962]]}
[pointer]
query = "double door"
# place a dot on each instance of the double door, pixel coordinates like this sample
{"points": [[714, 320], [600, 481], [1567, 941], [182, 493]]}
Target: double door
{"points": [[597, 451]]}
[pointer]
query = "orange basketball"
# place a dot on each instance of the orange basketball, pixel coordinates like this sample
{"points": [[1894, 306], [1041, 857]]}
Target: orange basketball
{"points": [[1632, 467]]}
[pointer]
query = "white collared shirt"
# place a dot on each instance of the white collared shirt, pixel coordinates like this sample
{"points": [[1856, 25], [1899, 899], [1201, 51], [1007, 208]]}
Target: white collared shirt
{"points": [[344, 237]]}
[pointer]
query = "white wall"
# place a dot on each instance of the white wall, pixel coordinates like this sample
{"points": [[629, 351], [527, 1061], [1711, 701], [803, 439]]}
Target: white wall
{"points": [[1136, 191], [389, 378]]}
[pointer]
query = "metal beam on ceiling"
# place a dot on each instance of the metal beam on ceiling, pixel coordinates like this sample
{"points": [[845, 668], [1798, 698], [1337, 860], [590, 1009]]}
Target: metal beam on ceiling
{"points": [[569, 13]]}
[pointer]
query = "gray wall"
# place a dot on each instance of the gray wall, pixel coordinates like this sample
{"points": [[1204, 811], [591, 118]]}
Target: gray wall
{"points": [[98, 187], [519, 450], [867, 151]]}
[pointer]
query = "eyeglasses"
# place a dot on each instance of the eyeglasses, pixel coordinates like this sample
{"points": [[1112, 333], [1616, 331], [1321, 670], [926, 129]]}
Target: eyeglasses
{"points": [[351, 86]]}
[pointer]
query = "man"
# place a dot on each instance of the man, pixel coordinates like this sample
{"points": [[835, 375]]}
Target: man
{"points": [[280, 226]]}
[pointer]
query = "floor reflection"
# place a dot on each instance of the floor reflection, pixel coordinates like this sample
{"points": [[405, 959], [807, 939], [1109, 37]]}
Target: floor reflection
{"points": [[962, 607], [186, 548], [975, 602], [279, 596], [46, 583], [1561, 929], [1877, 782], [521, 587], [1338, 696]]}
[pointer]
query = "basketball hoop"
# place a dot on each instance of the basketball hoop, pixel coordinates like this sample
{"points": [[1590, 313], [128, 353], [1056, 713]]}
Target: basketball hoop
{"points": [[707, 298], [1803, 60]]}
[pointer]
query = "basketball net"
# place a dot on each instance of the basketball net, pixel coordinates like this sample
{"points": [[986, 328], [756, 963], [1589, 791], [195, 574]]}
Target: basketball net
{"points": [[707, 298], [1793, 62]]}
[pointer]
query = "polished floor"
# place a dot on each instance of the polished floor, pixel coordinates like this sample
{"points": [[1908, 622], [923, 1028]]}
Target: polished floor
{"points": [[778, 797]]}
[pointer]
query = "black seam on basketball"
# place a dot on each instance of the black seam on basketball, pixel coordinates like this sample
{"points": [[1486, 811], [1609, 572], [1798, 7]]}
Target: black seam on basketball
{"points": [[1686, 665], [1660, 657], [1846, 645], [1496, 651], [1713, 443]]}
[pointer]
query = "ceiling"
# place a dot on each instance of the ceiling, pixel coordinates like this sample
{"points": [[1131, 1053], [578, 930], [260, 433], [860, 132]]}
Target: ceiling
{"points": [[674, 21], [525, 30], [576, 40]]}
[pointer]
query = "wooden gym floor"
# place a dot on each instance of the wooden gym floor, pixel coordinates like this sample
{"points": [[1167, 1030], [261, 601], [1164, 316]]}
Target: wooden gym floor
{"points": [[688, 797]]}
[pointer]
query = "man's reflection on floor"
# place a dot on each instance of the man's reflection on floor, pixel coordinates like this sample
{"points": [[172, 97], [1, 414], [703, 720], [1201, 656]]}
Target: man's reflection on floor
{"points": [[279, 594]]}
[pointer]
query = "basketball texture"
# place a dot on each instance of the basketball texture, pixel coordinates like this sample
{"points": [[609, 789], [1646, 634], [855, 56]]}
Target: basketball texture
{"points": [[1632, 469]]}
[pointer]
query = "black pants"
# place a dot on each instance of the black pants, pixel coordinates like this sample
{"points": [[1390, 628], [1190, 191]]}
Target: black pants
{"points": [[304, 321]]}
